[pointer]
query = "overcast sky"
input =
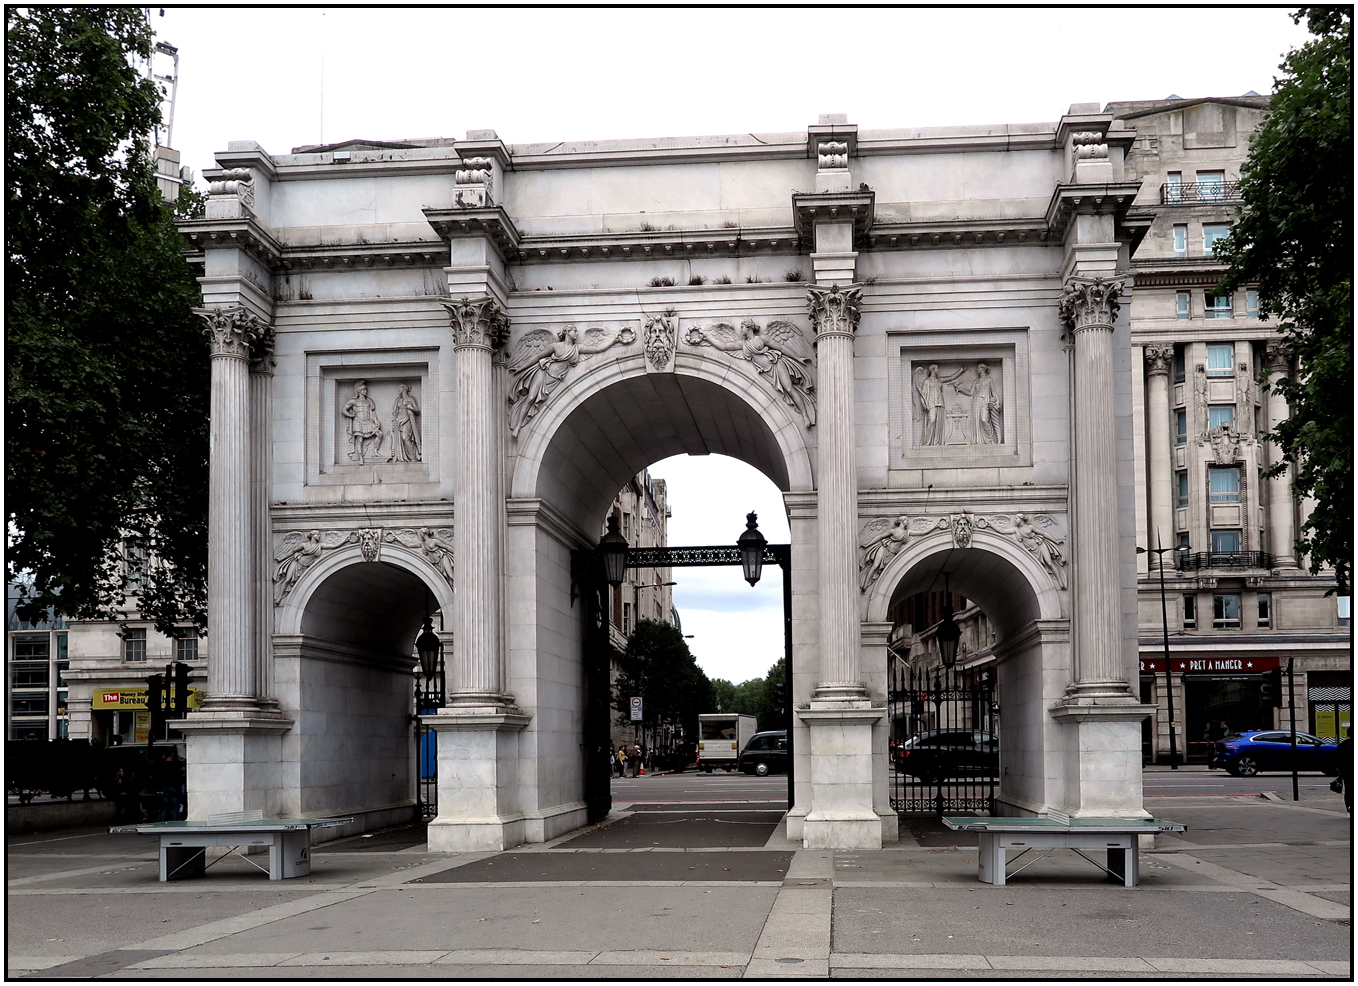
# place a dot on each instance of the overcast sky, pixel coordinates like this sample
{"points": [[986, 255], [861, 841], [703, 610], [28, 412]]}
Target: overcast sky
{"points": [[290, 77]]}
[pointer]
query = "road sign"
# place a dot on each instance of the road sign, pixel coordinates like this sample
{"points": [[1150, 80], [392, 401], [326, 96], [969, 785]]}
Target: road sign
{"points": [[636, 708]]}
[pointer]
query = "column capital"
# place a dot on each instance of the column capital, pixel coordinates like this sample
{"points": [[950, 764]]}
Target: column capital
{"points": [[1278, 357], [834, 310], [261, 351], [1159, 359], [234, 331], [1090, 303], [477, 323]]}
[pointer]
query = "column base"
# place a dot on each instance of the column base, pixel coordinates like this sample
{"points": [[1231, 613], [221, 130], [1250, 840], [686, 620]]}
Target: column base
{"points": [[478, 766], [1102, 759], [841, 814], [1100, 692], [234, 762]]}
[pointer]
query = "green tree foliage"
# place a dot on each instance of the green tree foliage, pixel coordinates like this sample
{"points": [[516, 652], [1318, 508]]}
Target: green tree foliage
{"points": [[752, 698], [106, 370], [1295, 240], [658, 666]]}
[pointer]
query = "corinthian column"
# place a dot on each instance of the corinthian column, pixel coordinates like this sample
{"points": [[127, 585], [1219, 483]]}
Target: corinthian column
{"points": [[261, 452], [1282, 532], [231, 543], [479, 327], [1158, 360], [1089, 308], [834, 313]]}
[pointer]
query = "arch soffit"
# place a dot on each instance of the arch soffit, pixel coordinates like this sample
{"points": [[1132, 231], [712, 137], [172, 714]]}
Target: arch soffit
{"points": [[1048, 598], [288, 615], [786, 427]]}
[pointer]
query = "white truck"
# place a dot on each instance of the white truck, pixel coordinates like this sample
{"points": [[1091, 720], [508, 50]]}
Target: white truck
{"points": [[721, 737]]}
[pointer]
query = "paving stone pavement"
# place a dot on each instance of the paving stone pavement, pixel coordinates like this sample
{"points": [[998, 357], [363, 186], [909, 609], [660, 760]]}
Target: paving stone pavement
{"points": [[1254, 889]]}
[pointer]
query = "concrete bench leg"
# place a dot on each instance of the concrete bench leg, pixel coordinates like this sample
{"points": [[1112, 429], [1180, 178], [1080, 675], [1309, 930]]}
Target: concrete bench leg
{"points": [[990, 862], [182, 862], [290, 855], [1125, 866]]}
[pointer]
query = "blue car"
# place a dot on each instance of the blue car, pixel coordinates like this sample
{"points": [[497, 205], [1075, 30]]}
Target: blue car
{"points": [[1246, 754]]}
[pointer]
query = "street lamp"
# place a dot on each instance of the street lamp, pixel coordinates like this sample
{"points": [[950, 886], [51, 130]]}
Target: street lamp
{"points": [[1159, 551], [427, 647], [613, 547], [751, 544], [948, 632]]}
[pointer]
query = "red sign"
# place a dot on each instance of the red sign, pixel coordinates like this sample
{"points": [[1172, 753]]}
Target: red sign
{"points": [[1209, 665]]}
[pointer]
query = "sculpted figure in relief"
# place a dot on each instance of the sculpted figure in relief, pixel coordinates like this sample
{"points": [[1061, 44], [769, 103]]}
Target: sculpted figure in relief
{"points": [[779, 352], [405, 426], [1041, 545], [883, 539], [929, 389], [364, 426], [297, 552], [541, 361], [987, 428], [946, 420]]}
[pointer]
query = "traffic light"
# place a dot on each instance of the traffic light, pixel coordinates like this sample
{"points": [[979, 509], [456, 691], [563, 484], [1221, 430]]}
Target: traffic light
{"points": [[1271, 690], [181, 689], [780, 698], [156, 687]]}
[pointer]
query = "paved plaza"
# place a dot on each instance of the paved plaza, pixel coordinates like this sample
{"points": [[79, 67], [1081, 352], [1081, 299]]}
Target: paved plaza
{"points": [[692, 876]]}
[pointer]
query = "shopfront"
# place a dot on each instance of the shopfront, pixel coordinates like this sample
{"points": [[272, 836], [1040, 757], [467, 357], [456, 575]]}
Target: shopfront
{"points": [[1329, 695], [1213, 696], [121, 714]]}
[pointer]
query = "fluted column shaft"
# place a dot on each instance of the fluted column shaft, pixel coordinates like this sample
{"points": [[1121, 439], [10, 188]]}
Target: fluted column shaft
{"points": [[1089, 309], [231, 542], [261, 452], [835, 312], [1161, 469], [478, 327], [1282, 532]]}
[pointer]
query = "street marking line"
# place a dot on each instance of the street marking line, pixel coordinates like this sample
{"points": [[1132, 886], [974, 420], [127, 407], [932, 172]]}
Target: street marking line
{"points": [[1091, 963], [36, 963], [1295, 899], [226, 927]]}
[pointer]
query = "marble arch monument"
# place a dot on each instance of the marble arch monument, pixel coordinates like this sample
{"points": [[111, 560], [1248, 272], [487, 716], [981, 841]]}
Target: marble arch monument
{"points": [[434, 362]]}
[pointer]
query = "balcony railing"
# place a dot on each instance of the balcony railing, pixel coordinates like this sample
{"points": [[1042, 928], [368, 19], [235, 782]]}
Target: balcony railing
{"points": [[1196, 561], [1200, 193]]}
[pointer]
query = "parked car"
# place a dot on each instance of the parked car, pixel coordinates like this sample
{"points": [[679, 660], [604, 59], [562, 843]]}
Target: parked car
{"points": [[944, 753], [1246, 754], [765, 753]]}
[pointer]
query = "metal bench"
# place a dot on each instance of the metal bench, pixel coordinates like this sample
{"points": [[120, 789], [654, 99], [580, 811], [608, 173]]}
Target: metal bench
{"points": [[1118, 836], [183, 845]]}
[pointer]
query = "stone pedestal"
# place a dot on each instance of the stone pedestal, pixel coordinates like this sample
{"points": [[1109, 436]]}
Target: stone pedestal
{"points": [[478, 757], [1103, 759], [234, 763], [841, 815]]}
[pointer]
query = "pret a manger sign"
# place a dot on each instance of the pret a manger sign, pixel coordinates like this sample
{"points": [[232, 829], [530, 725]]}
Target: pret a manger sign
{"points": [[1210, 665]]}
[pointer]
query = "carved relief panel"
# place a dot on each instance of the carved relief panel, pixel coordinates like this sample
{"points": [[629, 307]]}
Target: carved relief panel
{"points": [[957, 402], [372, 418]]}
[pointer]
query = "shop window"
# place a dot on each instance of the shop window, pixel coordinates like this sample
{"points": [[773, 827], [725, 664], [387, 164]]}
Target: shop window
{"points": [[1181, 481], [28, 705], [1344, 617], [1190, 612], [1216, 306], [1225, 542], [30, 647], [134, 644], [1181, 426], [1265, 610], [1220, 414], [1220, 357], [1211, 232], [1251, 303], [29, 675], [1181, 241], [1179, 357], [186, 649], [1223, 486], [1226, 611]]}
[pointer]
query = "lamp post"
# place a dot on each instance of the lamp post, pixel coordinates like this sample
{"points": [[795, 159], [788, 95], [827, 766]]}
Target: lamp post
{"points": [[613, 548], [751, 543], [948, 632], [1159, 550]]}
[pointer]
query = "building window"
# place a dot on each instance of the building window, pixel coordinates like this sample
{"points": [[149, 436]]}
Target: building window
{"points": [[30, 647], [1226, 611], [1180, 426], [138, 567], [1219, 360], [186, 649], [29, 705], [1174, 187], [1181, 305], [1211, 232], [28, 675], [1216, 306], [1220, 414], [1344, 617], [627, 526], [1251, 303], [1181, 481], [1211, 186], [1190, 612], [1265, 610], [1179, 361], [627, 618], [1223, 486], [134, 644], [1181, 239], [1225, 542], [28, 730]]}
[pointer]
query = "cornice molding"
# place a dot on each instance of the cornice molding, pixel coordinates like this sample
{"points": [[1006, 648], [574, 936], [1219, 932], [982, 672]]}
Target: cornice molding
{"points": [[247, 234], [809, 208], [1068, 199], [491, 223]]}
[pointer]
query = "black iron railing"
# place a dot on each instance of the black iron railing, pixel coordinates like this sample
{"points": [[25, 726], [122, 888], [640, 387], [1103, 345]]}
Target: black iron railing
{"points": [[1200, 193], [1196, 561]]}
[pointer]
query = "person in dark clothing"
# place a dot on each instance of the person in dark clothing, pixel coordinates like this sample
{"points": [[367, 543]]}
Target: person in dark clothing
{"points": [[124, 800], [1343, 759]]}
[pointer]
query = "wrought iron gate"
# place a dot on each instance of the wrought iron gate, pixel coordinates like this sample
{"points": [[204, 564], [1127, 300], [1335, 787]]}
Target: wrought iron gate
{"points": [[944, 746], [430, 696]]}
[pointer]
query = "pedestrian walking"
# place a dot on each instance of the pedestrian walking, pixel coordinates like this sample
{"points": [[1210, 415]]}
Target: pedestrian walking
{"points": [[612, 764], [1343, 760], [622, 761]]}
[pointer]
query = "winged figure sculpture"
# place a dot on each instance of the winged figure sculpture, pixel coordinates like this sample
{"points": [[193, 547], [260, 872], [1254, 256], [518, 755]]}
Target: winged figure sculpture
{"points": [[779, 351], [542, 359]]}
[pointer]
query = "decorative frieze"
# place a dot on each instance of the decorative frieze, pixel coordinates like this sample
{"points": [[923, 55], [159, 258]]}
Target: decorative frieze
{"points": [[479, 323], [834, 310], [297, 551], [779, 351], [234, 331], [1090, 303], [883, 538], [542, 359]]}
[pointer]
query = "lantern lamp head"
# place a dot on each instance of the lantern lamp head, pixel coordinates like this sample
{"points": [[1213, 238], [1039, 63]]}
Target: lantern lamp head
{"points": [[427, 647], [751, 543], [613, 547]]}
